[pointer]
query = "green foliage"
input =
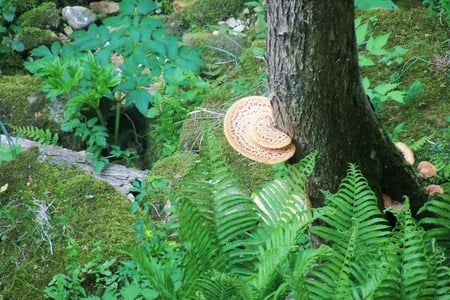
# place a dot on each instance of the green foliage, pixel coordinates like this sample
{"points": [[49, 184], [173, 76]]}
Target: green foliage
{"points": [[43, 16], [441, 6], [374, 46], [8, 30], [369, 4], [40, 135], [220, 243], [84, 71], [10, 150]]}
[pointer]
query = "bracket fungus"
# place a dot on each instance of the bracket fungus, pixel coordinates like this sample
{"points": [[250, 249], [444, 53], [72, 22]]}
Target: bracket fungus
{"points": [[426, 169], [407, 153], [250, 129]]}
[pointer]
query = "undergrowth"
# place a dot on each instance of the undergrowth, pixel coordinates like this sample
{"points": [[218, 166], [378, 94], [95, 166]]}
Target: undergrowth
{"points": [[218, 242]]}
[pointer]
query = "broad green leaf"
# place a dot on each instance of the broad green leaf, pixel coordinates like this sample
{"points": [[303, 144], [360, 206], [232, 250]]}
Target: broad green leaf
{"points": [[397, 96], [364, 61], [384, 88], [144, 7], [17, 45], [361, 31], [368, 4], [141, 100]]}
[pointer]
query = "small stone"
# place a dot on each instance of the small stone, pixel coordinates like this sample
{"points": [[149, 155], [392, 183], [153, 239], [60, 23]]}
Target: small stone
{"points": [[105, 7], [239, 28], [78, 17], [68, 30], [232, 22]]}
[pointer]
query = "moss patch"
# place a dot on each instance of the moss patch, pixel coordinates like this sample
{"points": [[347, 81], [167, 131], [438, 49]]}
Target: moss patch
{"points": [[426, 61], [77, 205]]}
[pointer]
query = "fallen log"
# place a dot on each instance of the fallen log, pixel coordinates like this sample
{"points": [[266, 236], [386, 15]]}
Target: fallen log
{"points": [[118, 176]]}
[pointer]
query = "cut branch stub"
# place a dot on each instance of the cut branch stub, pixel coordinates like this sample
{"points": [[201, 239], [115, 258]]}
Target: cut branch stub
{"points": [[250, 129]]}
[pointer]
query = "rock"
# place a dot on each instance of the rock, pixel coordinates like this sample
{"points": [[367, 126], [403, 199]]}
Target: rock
{"points": [[239, 28], [232, 22], [78, 17], [181, 5], [105, 8]]}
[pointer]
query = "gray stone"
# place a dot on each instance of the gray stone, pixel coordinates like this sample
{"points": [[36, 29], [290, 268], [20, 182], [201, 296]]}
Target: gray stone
{"points": [[105, 8], [78, 17]]}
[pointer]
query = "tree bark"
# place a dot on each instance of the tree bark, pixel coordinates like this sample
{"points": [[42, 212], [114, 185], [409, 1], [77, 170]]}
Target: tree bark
{"points": [[318, 99]]}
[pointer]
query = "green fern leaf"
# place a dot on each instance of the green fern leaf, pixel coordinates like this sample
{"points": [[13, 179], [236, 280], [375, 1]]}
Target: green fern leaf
{"points": [[215, 218], [356, 230], [40, 135], [416, 259]]}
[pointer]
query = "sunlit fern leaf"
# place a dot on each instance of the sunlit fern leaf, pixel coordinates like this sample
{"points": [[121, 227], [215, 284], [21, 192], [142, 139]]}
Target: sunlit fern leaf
{"points": [[215, 218], [355, 229], [285, 213], [416, 261], [219, 286]]}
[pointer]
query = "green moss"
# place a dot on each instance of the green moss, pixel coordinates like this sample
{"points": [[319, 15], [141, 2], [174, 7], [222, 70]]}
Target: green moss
{"points": [[44, 16], [217, 48], [33, 37], [23, 103], [175, 167], [210, 12], [425, 61], [78, 205]]}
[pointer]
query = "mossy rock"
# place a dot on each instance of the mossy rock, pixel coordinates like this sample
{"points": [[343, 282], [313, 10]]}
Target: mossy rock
{"points": [[210, 12], [77, 205], [24, 104], [219, 51], [25, 5], [33, 37], [44, 16]]}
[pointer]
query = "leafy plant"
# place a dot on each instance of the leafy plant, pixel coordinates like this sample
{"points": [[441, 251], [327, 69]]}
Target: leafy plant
{"points": [[8, 30], [12, 149], [222, 243], [84, 71], [43, 136], [441, 6]]}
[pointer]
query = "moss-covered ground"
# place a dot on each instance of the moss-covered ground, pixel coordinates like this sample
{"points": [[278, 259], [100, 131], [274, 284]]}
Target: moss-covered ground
{"points": [[42, 207], [88, 210]]}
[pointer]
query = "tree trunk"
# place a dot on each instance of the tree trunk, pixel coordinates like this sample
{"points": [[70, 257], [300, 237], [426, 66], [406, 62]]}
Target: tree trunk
{"points": [[318, 99]]}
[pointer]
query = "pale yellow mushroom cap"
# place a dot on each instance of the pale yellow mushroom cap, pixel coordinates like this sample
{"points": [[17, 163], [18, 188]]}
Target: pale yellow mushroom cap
{"points": [[407, 153], [250, 130]]}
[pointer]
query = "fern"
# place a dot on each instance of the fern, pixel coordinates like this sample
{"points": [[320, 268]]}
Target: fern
{"points": [[283, 208], [416, 271], [436, 213], [355, 229], [40, 135], [215, 218]]}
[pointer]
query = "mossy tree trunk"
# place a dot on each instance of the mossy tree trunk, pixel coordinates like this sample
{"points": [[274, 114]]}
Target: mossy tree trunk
{"points": [[318, 99]]}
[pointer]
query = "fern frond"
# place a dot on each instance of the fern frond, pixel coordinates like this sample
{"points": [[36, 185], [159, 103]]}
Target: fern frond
{"points": [[215, 218], [160, 276], [219, 286], [283, 208], [416, 261], [356, 230], [40, 135], [437, 212]]}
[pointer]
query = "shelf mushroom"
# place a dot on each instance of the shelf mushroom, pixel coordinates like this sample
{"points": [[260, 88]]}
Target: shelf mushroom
{"points": [[426, 169], [434, 188], [407, 153], [250, 129]]}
